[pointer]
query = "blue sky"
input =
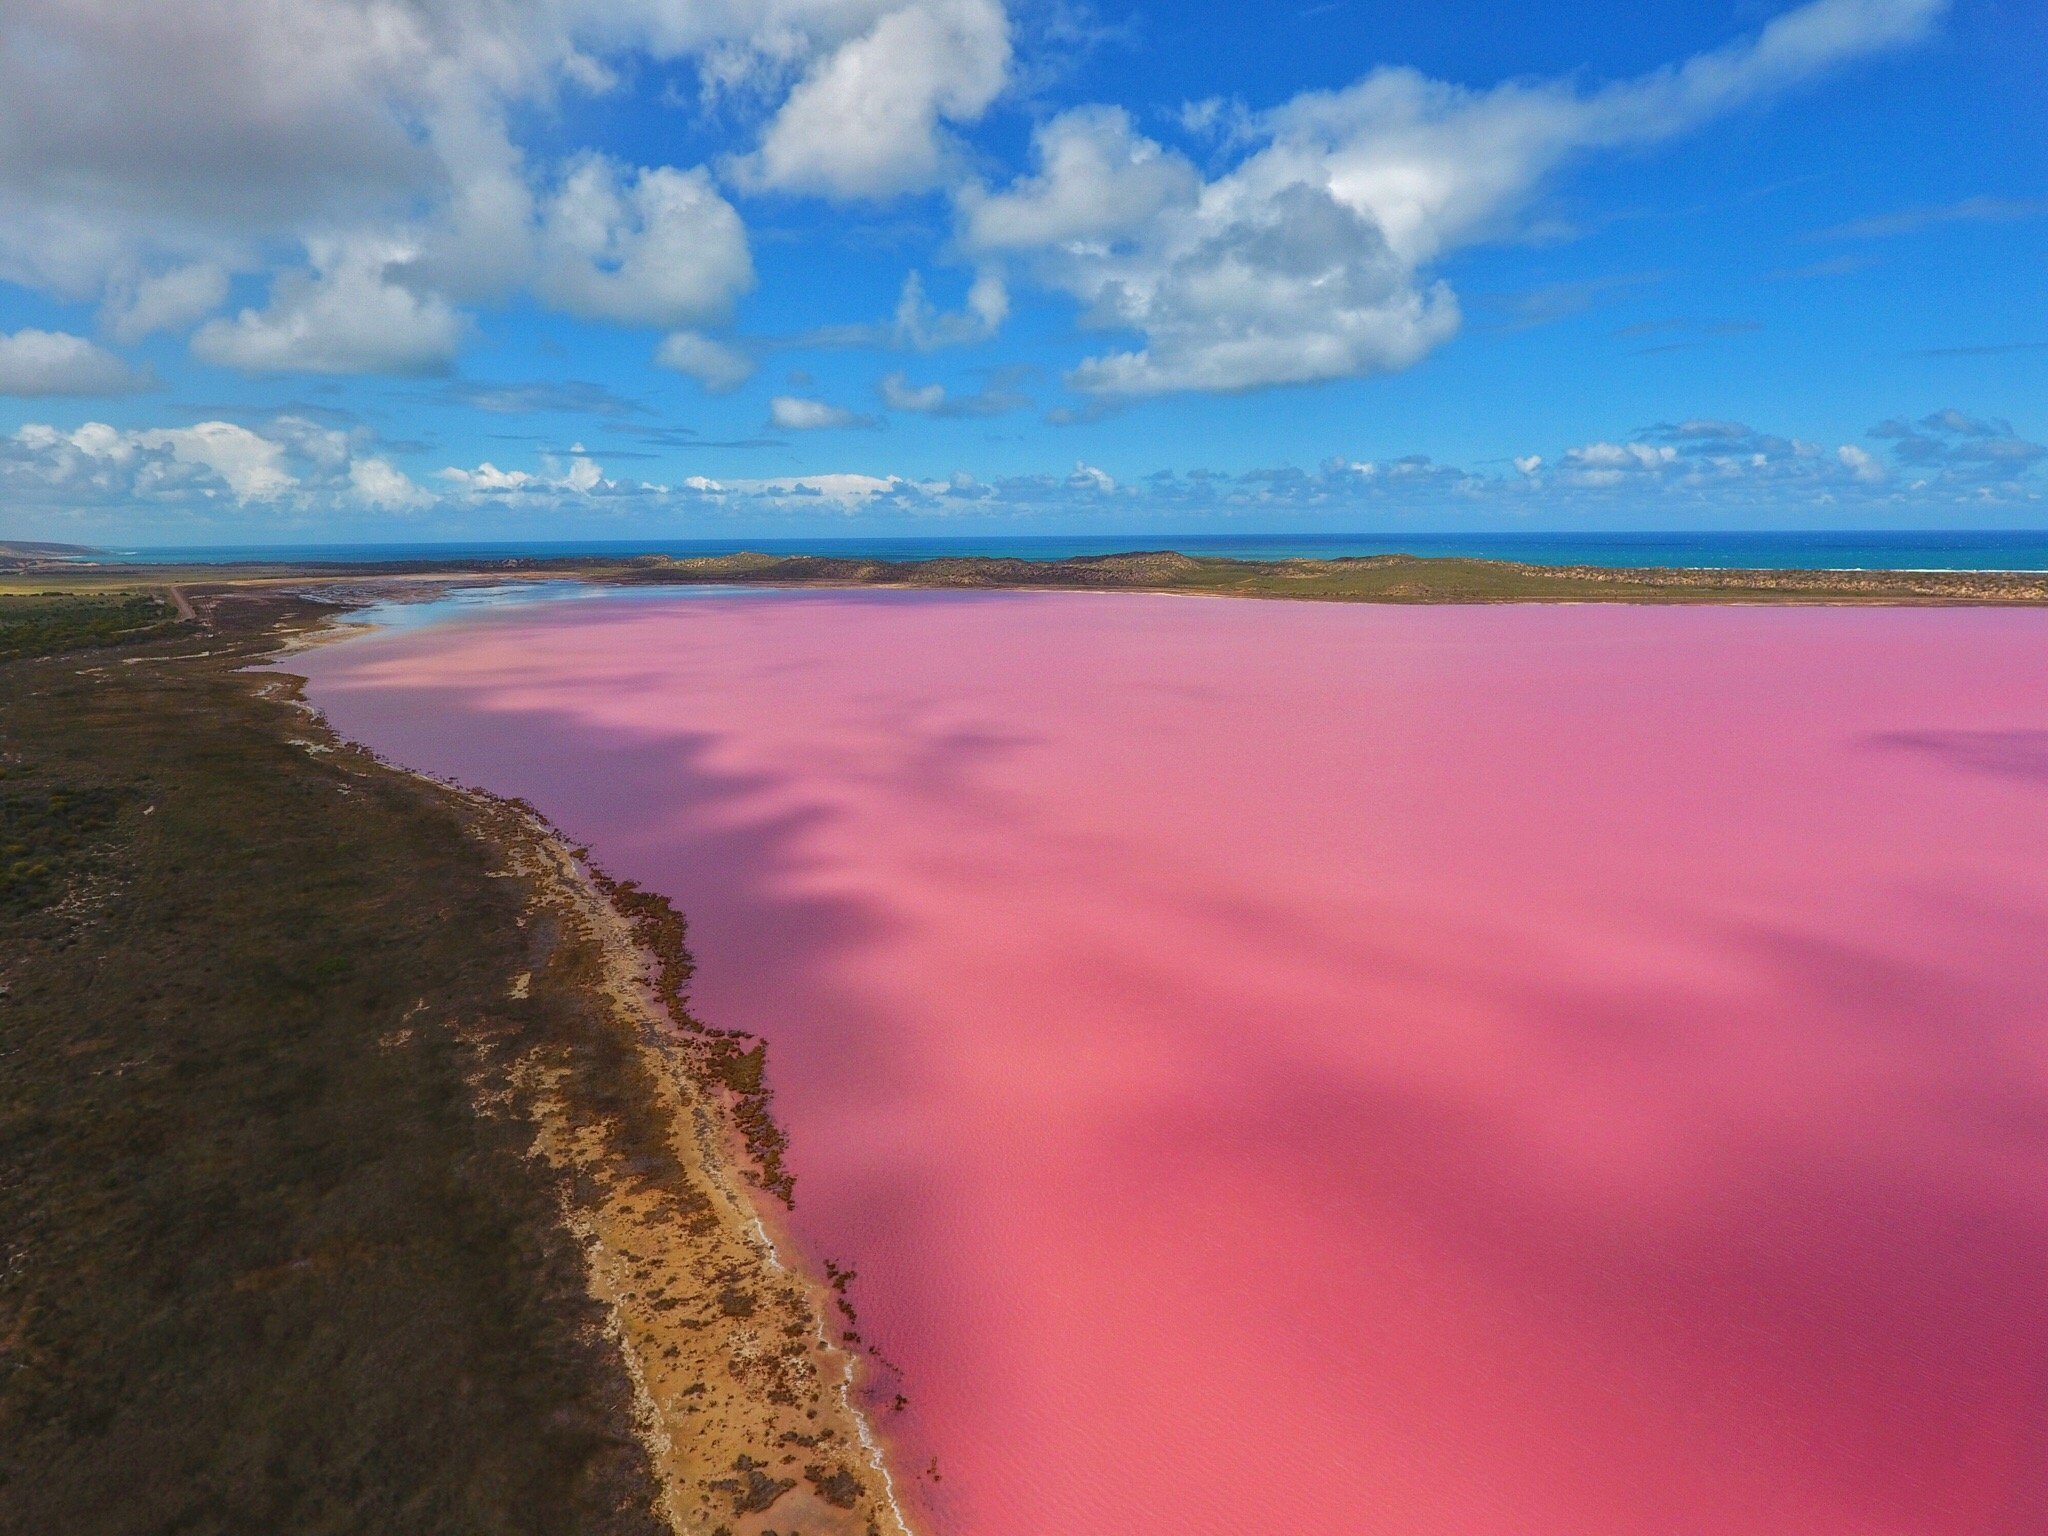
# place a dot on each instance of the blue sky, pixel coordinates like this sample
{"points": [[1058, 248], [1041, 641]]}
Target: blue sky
{"points": [[442, 269]]}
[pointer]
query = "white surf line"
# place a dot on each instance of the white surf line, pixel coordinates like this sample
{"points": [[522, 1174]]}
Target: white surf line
{"points": [[873, 1446], [877, 1460]]}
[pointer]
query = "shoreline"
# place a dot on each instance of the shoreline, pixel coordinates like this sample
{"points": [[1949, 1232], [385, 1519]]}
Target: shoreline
{"points": [[647, 964], [714, 1478], [725, 1158]]}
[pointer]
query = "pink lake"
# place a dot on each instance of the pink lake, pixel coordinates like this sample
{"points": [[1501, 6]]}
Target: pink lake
{"points": [[1282, 1068]]}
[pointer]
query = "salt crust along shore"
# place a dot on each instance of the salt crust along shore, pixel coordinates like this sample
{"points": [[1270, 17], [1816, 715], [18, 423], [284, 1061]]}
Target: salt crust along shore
{"points": [[745, 1403]]}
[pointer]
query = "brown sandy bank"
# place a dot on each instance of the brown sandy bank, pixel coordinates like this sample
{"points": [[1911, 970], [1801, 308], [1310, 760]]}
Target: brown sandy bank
{"points": [[661, 1146]]}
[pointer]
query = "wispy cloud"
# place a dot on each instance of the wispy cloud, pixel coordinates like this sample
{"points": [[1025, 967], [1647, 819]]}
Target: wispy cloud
{"points": [[1531, 307], [1908, 221], [1992, 349], [1687, 334], [532, 397], [1831, 266], [687, 437]]}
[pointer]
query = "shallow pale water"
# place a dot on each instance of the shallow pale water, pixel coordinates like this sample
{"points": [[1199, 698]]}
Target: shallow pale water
{"points": [[1291, 1068]]}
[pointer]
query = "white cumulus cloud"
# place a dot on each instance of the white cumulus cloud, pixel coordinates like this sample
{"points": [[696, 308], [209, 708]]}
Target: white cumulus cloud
{"points": [[866, 119], [579, 477], [658, 248], [145, 149], [211, 457], [252, 465], [1097, 178], [1309, 258], [351, 313], [380, 484], [1700, 473], [288, 466]]}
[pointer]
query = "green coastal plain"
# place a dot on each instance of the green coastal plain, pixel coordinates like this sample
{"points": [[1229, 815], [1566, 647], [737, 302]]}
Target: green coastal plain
{"points": [[267, 1267]]}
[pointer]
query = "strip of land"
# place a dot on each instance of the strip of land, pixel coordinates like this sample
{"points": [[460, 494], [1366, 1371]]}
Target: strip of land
{"points": [[361, 1165], [1366, 579]]}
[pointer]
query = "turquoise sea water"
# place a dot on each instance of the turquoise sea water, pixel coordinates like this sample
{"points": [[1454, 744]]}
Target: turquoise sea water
{"points": [[1967, 549]]}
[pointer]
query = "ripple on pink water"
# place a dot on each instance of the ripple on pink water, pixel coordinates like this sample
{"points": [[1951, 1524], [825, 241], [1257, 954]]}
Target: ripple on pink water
{"points": [[1293, 1069]]}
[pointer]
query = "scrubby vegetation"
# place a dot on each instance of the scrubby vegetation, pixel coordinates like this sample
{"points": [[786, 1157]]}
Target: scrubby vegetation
{"points": [[44, 624], [47, 833], [264, 1267], [721, 1054]]}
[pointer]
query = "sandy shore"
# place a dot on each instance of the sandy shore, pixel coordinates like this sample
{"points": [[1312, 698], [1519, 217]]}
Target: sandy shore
{"points": [[746, 1402]]}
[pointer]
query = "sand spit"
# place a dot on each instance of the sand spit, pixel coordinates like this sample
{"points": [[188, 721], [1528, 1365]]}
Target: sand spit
{"points": [[746, 1403]]}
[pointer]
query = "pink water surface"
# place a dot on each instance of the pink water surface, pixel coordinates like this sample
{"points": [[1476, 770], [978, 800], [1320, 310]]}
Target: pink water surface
{"points": [[1295, 1069]]}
